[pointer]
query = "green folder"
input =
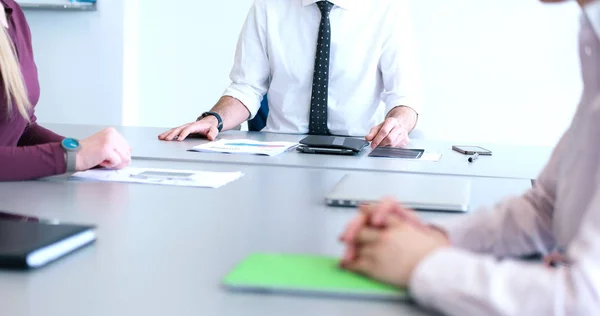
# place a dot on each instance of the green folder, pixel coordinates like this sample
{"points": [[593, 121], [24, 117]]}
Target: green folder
{"points": [[305, 275]]}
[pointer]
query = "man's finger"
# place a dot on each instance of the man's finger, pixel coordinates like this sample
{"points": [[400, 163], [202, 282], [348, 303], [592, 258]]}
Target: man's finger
{"points": [[377, 140], [175, 132], [212, 133], [367, 252], [164, 135], [367, 208], [367, 236], [399, 222], [373, 133], [384, 210], [170, 132], [398, 142], [187, 131], [355, 225], [392, 137], [349, 254], [386, 128], [361, 265], [402, 140]]}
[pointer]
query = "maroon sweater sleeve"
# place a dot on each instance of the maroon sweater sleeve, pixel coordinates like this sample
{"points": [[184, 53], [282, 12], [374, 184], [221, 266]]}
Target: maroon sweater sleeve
{"points": [[34, 134], [38, 154], [31, 162]]}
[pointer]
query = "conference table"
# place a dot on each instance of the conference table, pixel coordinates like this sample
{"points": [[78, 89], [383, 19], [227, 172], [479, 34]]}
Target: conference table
{"points": [[163, 250], [508, 161]]}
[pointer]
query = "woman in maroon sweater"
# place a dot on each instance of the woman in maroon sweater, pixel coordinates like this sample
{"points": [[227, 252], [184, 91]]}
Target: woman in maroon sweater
{"points": [[27, 150]]}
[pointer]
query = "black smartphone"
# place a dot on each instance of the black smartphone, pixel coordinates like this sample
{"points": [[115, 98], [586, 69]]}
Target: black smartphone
{"points": [[328, 151], [394, 152], [472, 150]]}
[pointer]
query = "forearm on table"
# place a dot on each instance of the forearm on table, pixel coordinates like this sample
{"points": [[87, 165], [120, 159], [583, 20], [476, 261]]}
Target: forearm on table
{"points": [[406, 115], [461, 283], [232, 111], [31, 162]]}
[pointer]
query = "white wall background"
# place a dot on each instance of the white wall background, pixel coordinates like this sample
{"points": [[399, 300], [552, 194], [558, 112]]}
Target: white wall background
{"points": [[185, 54], [80, 62], [491, 71], [497, 71]]}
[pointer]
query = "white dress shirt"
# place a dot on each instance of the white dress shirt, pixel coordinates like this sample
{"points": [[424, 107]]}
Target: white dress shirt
{"points": [[276, 55], [561, 213]]}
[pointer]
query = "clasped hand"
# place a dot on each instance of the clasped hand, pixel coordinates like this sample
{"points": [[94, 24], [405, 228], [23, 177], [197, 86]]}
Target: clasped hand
{"points": [[386, 241]]}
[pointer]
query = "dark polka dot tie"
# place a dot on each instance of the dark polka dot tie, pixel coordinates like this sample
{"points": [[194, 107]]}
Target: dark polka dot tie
{"points": [[318, 104]]}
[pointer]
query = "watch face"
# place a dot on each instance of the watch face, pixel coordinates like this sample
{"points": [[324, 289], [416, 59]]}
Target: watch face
{"points": [[70, 143]]}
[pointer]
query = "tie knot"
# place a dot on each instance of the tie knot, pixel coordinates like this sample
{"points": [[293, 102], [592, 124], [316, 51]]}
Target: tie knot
{"points": [[325, 7]]}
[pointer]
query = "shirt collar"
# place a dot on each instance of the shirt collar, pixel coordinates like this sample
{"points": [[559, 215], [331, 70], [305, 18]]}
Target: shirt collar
{"points": [[344, 4]]}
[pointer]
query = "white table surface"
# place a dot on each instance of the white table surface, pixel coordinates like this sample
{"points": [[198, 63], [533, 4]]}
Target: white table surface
{"points": [[522, 162], [164, 250]]}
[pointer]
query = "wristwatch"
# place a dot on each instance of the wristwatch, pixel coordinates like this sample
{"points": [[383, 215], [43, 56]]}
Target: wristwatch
{"points": [[71, 147], [219, 120]]}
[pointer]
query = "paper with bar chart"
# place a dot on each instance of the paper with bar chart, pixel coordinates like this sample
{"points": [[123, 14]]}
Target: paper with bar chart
{"points": [[245, 146]]}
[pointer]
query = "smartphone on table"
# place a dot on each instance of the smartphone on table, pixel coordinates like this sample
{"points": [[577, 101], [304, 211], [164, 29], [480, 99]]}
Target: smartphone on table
{"points": [[472, 150]]}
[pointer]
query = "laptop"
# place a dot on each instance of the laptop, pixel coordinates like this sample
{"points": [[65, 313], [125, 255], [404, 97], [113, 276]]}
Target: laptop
{"points": [[419, 192]]}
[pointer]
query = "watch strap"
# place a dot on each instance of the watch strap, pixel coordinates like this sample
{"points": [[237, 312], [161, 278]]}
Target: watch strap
{"points": [[216, 115], [71, 161]]}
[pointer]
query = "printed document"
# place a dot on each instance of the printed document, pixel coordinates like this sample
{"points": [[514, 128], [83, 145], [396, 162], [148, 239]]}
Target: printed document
{"points": [[186, 178], [245, 146]]}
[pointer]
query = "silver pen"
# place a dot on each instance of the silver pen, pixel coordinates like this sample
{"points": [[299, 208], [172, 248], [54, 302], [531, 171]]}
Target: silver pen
{"points": [[474, 157]]}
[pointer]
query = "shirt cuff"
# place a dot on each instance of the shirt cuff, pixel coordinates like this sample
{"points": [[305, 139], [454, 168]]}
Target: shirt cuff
{"points": [[247, 96], [431, 279], [393, 101]]}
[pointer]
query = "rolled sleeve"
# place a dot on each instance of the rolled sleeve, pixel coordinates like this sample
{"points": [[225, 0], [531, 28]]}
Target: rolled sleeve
{"points": [[250, 73], [398, 62], [248, 95]]}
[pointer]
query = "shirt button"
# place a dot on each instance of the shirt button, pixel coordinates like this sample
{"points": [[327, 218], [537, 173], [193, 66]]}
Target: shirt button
{"points": [[588, 51]]}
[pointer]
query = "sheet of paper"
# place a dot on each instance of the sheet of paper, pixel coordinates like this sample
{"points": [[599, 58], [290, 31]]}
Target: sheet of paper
{"points": [[186, 178], [245, 146], [429, 156]]}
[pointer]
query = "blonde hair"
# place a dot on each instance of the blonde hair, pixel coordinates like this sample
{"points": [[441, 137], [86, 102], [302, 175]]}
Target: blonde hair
{"points": [[12, 77]]}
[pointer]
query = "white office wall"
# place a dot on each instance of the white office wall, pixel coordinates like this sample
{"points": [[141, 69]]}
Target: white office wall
{"points": [[497, 71], [185, 54], [80, 62], [131, 56]]}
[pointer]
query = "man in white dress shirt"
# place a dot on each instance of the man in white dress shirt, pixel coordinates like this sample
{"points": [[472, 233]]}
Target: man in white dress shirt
{"points": [[466, 267], [329, 67]]}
